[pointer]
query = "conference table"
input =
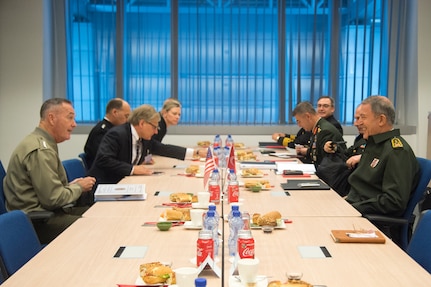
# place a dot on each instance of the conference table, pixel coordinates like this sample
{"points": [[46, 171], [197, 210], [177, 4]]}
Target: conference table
{"points": [[87, 253]]}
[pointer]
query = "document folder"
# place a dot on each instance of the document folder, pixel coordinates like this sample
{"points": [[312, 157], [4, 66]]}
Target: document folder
{"points": [[106, 192], [304, 184]]}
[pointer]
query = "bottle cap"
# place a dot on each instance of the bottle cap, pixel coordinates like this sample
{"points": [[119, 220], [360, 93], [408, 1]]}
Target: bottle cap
{"points": [[211, 206], [236, 213], [210, 213], [235, 207], [200, 282]]}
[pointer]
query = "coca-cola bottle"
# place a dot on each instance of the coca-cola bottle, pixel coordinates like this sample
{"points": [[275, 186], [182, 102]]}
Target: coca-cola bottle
{"points": [[245, 244], [204, 246]]}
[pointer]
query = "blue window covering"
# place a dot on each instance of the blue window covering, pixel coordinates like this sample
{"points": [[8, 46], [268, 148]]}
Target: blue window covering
{"points": [[243, 62]]}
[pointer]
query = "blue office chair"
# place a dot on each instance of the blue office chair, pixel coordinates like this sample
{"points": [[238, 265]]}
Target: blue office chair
{"points": [[83, 157], [18, 240], [2, 199], [420, 245], [405, 221], [74, 168]]}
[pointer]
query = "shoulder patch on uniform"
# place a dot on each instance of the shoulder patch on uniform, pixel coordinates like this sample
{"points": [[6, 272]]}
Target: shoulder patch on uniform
{"points": [[396, 143], [103, 126], [43, 144]]}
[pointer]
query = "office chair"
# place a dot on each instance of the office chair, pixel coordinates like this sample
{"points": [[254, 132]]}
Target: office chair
{"points": [[83, 157], [34, 215], [420, 245], [18, 240], [74, 168], [405, 221], [2, 199]]}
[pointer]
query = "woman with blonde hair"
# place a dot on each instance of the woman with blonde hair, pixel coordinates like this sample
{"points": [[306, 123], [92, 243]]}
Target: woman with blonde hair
{"points": [[169, 116]]}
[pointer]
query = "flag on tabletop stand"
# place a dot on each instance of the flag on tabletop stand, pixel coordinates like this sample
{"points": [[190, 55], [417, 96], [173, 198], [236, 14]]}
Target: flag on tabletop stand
{"points": [[231, 161], [209, 166]]}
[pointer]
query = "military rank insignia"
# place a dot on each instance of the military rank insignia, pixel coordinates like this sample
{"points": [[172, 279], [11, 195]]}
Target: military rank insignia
{"points": [[396, 143]]}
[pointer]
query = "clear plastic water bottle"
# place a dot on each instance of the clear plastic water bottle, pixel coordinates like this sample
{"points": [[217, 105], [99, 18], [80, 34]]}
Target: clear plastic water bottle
{"points": [[233, 187], [214, 187], [211, 207], [235, 225], [222, 157], [217, 141], [229, 141], [200, 282], [233, 208], [211, 223], [217, 151]]}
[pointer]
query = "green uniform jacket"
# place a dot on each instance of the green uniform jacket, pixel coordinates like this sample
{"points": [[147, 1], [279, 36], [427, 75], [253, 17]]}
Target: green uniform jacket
{"points": [[323, 131], [36, 179], [385, 177]]}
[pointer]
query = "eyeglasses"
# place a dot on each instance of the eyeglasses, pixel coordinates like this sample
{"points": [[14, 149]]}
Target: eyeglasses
{"points": [[154, 126], [323, 106]]}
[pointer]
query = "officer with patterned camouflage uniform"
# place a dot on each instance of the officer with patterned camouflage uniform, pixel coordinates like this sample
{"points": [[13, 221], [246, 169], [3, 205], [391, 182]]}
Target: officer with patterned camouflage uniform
{"points": [[322, 131], [36, 179], [388, 170]]}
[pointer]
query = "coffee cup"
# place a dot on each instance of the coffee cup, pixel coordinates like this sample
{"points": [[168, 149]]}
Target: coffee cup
{"points": [[247, 269], [203, 198], [185, 276], [196, 216]]}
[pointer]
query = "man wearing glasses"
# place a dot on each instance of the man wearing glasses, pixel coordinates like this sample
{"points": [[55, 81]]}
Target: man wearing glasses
{"points": [[326, 109], [125, 149]]}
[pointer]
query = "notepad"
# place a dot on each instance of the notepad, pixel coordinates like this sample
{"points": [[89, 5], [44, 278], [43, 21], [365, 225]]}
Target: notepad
{"points": [[107, 192], [304, 184], [355, 236]]}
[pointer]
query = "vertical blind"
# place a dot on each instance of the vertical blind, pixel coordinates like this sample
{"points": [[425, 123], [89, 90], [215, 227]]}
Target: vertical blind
{"points": [[245, 62]]}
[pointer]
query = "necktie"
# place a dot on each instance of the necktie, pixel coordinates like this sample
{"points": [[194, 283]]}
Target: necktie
{"points": [[138, 152]]}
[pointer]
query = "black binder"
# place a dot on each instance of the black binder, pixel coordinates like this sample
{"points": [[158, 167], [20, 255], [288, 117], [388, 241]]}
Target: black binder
{"points": [[304, 184]]}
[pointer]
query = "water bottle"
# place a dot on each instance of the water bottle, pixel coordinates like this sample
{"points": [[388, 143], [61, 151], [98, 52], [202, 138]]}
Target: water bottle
{"points": [[233, 208], [214, 187], [235, 225], [200, 282], [222, 157], [211, 224], [217, 152], [217, 141], [211, 207], [229, 141], [233, 187]]}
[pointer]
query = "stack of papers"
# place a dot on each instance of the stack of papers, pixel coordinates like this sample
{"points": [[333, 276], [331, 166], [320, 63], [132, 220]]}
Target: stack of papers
{"points": [[106, 192], [305, 168]]}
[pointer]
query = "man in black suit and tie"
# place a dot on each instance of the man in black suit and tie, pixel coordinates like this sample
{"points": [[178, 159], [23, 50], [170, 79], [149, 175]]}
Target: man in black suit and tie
{"points": [[125, 147]]}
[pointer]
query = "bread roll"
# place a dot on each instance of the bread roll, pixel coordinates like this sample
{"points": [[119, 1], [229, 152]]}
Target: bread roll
{"points": [[156, 273], [171, 214], [185, 211], [269, 218], [255, 218]]}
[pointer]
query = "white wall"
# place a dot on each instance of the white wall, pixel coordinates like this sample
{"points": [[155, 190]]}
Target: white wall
{"points": [[21, 50]]}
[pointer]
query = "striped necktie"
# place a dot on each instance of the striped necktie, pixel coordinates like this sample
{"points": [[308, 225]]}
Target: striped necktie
{"points": [[138, 151]]}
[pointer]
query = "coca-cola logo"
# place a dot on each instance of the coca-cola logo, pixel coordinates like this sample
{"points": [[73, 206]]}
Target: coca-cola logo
{"points": [[247, 252]]}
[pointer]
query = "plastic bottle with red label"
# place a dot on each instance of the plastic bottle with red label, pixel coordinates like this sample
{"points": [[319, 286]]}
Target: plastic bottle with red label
{"points": [[245, 244], [205, 246], [233, 187]]}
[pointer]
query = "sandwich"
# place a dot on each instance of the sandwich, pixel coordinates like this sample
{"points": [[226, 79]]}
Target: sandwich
{"points": [[157, 273]]}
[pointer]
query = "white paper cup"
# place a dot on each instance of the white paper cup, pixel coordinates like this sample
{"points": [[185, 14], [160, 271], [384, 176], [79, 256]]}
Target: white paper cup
{"points": [[196, 216], [247, 269], [186, 276], [203, 198]]}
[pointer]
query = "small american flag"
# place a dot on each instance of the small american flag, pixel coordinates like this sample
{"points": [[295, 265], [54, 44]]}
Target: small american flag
{"points": [[209, 166], [231, 161]]}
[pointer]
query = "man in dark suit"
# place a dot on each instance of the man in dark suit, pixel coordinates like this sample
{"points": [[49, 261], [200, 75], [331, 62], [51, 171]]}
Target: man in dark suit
{"points": [[117, 113], [321, 130], [126, 147]]}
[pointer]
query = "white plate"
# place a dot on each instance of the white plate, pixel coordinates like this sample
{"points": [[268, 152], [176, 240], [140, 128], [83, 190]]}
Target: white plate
{"points": [[189, 225], [139, 281], [262, 281], [281, 226], [252, 175]]}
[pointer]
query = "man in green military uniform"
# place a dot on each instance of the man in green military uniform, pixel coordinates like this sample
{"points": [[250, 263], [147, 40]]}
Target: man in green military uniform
{"points": [[388, 170], [322, 131], [36, 179]]}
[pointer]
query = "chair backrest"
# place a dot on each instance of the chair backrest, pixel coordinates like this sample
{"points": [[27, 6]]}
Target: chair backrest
{"points": [[18, 240], [83, 157], [74, 168], [420, 245], [424, 179], [2, 198]]}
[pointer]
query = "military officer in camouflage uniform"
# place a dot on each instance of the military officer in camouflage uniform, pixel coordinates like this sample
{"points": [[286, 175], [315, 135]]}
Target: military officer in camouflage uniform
{"points": [[36, 179], [322, 131], [388, 170]]}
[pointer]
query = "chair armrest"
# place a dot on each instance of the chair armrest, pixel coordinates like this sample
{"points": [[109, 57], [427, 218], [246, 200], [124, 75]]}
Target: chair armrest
{"points": [[40, 215], [385, 220]]}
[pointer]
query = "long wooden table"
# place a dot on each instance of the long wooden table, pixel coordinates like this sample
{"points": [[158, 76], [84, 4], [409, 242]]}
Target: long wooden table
{"points": [[83, 254]]}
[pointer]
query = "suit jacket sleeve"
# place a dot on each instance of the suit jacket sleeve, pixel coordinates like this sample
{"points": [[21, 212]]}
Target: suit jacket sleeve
{"points": [[167, 150]]}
